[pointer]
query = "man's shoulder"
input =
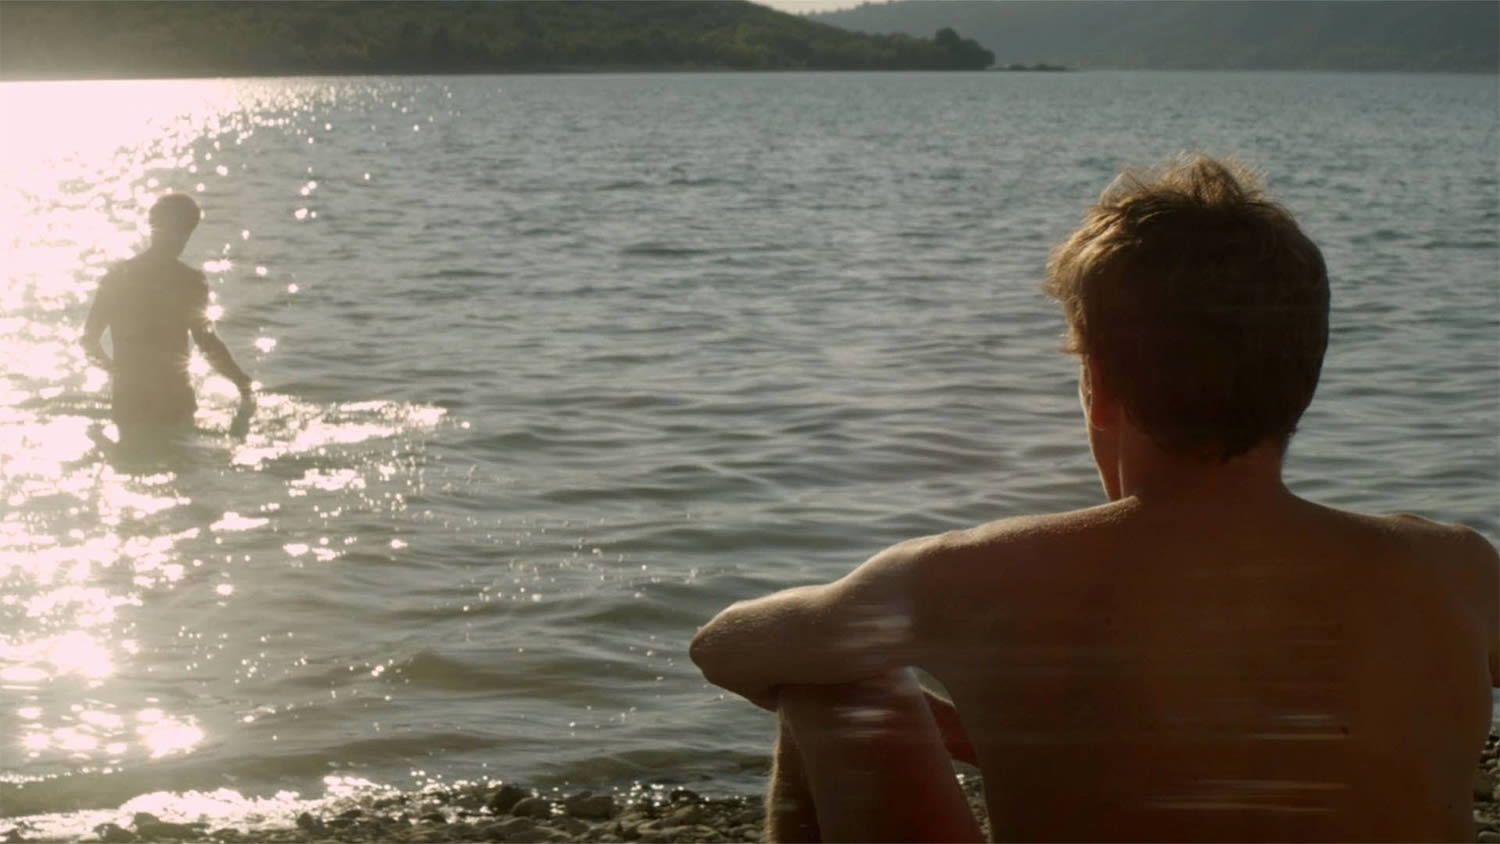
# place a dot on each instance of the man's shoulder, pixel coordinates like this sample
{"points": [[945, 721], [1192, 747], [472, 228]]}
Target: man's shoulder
{"points": [[1032, 537], [1457, 540], [190, 281], [119, 269], [1455, 554], [190, 274]]}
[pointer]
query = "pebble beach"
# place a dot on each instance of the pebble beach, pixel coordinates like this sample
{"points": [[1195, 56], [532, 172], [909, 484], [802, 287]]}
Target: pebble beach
{"points": [[511, 813]]}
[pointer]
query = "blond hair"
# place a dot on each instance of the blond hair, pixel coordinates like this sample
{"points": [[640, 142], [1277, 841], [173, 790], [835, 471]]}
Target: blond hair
{"points": [[1200, 302]]}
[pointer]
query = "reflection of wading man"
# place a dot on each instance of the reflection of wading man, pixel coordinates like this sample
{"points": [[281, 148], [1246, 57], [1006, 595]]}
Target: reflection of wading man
{"points": [[151, 304], [1205, 657]]}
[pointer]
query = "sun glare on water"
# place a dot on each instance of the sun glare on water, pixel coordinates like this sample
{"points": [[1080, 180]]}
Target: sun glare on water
{"points": [[75, 184], [111, 574]]}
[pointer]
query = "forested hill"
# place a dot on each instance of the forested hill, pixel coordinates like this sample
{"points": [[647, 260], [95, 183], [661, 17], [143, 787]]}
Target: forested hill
{"points": [[1209, 34], [88, 38]]}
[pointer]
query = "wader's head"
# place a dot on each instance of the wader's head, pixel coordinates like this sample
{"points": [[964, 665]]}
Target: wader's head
{"points": [[173, 219]]}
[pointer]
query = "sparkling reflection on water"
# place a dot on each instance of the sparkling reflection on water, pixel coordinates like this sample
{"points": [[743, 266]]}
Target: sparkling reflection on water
{"points": [[552, 368]]}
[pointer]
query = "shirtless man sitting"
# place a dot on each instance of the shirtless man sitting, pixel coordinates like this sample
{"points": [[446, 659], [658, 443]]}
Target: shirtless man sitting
{"points": [[1205, 657], [151, 304]]}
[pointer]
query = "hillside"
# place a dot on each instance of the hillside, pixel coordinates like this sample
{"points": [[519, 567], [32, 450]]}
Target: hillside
{"points": [[1208, 34], [89, 38]]}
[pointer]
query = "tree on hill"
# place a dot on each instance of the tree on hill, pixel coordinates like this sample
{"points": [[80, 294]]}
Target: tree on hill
{"points": [[251, 37]]}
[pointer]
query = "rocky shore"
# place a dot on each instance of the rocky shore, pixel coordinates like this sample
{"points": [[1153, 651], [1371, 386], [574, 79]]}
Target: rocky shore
{"points": [[508, 813], [502, 813], [1486, 803]]}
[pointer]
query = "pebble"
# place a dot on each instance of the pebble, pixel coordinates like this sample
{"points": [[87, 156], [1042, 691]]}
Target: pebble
{"points": [[688, 815], [112, 833], [532, 807], [1484, 787], [505, 798], [572, 825], [156, 829], [511, 826], [469, 799], [1488, 837], [591, 806]]}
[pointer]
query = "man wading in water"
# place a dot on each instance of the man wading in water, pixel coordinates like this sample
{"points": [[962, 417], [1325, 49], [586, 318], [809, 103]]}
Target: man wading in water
{"points": [[151, 304], [1205, 657]]}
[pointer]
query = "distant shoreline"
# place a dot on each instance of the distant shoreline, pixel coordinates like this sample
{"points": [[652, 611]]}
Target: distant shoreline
{"points": [[630, 70], [1039, 67], [676, 70], [557, 70]]}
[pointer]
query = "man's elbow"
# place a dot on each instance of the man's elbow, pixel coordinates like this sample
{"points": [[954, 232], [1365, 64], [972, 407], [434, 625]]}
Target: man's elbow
{"points": [[707, 651], [700, 650]]}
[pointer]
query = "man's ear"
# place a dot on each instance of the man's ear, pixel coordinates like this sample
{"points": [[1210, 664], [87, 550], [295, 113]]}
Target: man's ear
{"points": [[1101, 405]]}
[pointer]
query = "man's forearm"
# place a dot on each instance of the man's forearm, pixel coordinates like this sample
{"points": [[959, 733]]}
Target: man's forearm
{"points": [[217, 355], [856, 628], [742, 648]]}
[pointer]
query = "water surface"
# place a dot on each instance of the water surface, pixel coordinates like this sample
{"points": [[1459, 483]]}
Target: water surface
{"points": [[555, 367]]}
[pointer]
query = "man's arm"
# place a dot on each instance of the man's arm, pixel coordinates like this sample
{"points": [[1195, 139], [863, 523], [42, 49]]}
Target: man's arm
{"points": [[100, 314], [955, 738], [1487, 562], [214, 350], [858, 627]]}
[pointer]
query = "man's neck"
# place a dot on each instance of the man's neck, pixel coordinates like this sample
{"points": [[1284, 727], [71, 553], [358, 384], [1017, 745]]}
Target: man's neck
{"points": [[1154, 477], [162, 249]]}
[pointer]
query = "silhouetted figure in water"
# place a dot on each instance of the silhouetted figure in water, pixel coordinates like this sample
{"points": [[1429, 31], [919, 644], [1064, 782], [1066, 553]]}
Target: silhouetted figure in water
{"points": [[151, 304]]}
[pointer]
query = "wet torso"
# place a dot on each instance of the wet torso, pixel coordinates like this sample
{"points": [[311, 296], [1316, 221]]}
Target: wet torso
{"points": [[154, 304], [1316, 675]]}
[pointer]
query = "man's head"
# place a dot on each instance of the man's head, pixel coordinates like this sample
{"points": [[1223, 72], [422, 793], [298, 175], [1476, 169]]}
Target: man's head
{"points": [[1200, 306], [173, 219]]}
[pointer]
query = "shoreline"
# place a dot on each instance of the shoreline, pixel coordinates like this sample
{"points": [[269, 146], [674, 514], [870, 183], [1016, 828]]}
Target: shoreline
{"points": [[560, 70], [511, 813]]}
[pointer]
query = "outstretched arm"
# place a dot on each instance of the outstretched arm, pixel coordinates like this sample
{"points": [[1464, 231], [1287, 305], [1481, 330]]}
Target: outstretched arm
{"points": [[214, 350], [217, 355], [858, 627]]}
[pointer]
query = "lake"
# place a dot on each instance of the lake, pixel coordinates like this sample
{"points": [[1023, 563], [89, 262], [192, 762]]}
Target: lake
{"points": [[555, 367]]}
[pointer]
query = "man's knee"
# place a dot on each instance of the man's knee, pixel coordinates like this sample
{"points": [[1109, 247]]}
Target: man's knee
{"points": [[866, 749], [868, 709]]}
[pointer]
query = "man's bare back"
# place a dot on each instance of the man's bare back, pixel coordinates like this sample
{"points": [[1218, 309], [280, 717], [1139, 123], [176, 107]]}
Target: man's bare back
{"points": [[1207, 656], [1294, 673]]}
